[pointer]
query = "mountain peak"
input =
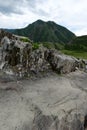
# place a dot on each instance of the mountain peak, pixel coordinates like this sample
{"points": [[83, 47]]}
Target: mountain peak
{"points": [[41, 31], [40, 21]]}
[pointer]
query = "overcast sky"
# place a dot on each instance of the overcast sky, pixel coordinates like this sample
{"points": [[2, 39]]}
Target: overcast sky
{"points": [[69, 13]]}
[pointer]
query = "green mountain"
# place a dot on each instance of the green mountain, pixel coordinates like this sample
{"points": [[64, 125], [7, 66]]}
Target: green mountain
{"points": [[78, 44], [41, 31]]}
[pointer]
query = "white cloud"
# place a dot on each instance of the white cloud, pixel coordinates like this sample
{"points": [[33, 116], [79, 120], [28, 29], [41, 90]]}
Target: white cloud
{"points": [[69, 13], [81, 32]]}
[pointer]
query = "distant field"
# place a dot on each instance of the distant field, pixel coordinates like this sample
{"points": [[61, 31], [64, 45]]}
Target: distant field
{"points": [[77, 54]]}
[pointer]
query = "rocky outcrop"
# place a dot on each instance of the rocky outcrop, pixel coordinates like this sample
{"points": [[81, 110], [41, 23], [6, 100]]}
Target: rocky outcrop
{"points": [[4, 33], [62, 63], [19, 57]]}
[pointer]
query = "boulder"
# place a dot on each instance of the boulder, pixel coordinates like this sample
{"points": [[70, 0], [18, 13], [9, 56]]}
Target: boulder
{"points": [[61, 63]]}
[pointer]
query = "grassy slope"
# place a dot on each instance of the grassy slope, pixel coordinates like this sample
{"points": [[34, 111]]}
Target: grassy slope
{"points": [[77, 48], [77, 54]]}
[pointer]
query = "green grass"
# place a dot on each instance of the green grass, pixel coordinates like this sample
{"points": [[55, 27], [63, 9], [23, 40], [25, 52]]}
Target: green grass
{"points": [[25, 39], [48, 45], [77, 54], [35, 46]]}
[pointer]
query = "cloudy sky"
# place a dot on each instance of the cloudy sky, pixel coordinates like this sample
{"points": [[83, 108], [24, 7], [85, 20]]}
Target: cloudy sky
{"points": [[69, 13]]}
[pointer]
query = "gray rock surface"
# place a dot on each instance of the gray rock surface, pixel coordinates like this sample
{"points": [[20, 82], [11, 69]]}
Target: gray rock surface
{"points": [[62, 63], [51, 103]]}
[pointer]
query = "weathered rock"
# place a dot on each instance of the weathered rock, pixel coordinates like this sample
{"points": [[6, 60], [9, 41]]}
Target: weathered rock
{"points": [[4, 33], [45, 122], [22, 60], [52, 103], [62, 63], [19, 55]]}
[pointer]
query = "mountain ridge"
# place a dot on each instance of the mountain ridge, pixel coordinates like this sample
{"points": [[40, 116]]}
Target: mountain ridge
{"points": [[40, 31]]}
